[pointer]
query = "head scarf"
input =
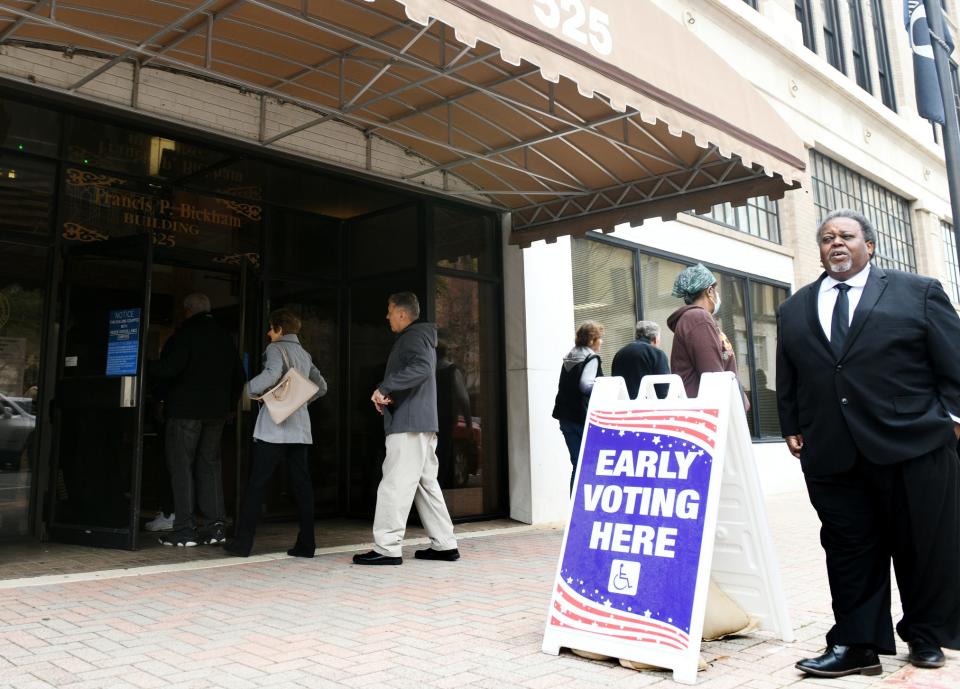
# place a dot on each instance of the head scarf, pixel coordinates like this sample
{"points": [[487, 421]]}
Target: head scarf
{"points": [[691, 281]]}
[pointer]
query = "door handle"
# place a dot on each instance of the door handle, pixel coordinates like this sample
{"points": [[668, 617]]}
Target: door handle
{"points": [[128, 392]]}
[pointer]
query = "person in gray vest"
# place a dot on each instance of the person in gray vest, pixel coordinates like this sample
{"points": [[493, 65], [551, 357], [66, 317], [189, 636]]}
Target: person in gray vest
{"points": [[407, 399]]}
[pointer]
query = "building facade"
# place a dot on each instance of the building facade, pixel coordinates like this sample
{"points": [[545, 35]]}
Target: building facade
{"points": [[424, 146]]}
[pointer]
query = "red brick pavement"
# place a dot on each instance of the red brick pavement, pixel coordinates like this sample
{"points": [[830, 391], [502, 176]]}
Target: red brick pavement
{"points": [[327, 623]]}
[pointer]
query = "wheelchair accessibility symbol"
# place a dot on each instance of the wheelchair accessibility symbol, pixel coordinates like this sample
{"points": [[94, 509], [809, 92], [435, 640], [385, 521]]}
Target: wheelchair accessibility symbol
{"points": [[624, 577]]}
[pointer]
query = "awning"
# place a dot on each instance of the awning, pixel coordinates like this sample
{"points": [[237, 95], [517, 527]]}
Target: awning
{"points": [[572, 115]]}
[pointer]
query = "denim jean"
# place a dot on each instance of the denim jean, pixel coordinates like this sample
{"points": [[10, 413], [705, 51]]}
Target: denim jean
{"points": [[572, 435], [265, 458], [193, 460]]}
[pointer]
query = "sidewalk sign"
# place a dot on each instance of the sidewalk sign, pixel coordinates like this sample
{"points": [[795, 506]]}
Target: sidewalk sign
{"points": [[667, 495]]}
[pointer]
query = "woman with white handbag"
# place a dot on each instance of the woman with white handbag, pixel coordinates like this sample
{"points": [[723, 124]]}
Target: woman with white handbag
{"points": [[288, 383]]}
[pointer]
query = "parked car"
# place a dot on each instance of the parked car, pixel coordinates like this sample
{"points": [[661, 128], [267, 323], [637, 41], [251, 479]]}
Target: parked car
{"points": [[17, 424]]}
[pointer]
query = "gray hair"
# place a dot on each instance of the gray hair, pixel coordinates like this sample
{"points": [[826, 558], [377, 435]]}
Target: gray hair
{"points": [[648, 330], [198, 302], [407, 301], [869, 232]]}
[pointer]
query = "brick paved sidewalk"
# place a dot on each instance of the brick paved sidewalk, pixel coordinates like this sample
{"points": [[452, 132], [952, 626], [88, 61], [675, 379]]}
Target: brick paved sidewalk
{"points": [[284, 622]]}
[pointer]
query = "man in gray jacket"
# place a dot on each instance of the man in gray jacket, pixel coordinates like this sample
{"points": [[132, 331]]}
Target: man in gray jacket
{"points": [[407, 399]]}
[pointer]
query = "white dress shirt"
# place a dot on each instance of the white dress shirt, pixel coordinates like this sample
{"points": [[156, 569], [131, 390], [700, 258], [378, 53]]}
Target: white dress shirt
{"points": [[827, 298]]}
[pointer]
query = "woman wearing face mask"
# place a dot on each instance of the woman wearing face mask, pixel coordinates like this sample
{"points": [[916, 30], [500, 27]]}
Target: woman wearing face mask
{"points": [[699, 346]]}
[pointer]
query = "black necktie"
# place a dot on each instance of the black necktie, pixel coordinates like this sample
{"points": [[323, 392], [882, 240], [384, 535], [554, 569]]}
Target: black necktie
{"points": [[841, 318]]}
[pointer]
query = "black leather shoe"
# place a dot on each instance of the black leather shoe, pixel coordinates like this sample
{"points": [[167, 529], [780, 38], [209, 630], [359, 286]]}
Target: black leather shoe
{"points": [[374, 558], [234, 548], [839, 661], [925, 654], [451, 555], [302, 551]]}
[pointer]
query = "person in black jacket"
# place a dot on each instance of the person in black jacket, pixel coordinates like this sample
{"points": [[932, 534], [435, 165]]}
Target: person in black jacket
{"points": [[581, 368], [642, 357], [868, 387], [203, 376]]}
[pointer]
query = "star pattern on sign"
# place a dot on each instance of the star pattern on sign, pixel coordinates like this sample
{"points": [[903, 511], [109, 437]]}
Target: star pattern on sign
{"points": [[656, 440], [569, 580], [622, 433], [608, 602], [647, 613]]}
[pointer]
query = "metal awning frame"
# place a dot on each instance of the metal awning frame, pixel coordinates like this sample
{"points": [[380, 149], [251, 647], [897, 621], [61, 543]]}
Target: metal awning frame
{"points": [[546, 197]]}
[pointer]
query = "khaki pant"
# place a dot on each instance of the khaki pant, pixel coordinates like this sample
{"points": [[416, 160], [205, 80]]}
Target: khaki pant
{"points": [[410, 477]]}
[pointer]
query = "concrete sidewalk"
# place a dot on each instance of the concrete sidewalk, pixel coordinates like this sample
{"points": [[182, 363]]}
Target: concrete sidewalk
{"points": [[285, 622]]}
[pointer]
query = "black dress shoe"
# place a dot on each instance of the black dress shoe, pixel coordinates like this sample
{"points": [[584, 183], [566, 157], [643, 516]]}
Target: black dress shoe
{"points": [[301, 551], [925, 654], [374, 558], [839, 661], [234, 548], [451, 555]]}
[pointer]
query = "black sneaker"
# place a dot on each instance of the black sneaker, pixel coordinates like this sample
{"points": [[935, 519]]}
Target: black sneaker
{"points": [[182, 539], [213, 534], [451, 555], [375, 558]]}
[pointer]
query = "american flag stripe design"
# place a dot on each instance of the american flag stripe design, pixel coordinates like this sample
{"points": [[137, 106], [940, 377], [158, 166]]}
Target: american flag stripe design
{"points": [[573, 611], [693, 425]]}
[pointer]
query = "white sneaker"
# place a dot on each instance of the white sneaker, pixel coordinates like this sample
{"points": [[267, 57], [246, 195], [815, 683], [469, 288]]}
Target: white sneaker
{"points": [[160, 523]]}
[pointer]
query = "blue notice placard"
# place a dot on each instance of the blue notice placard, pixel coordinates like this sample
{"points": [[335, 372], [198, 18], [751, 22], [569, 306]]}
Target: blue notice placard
{"points": [[123, 343], [629, 565]]}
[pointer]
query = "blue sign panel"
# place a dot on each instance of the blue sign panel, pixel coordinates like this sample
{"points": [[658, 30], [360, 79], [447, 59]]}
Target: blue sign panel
{"points": [[123, 344], [629, 565]]}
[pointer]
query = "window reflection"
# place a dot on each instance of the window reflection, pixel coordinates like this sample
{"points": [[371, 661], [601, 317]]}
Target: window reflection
{"points": [[22, 283], [467, 394]]}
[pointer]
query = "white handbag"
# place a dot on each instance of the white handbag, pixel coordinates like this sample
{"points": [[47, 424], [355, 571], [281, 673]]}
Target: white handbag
{"points": [[291, 393]]}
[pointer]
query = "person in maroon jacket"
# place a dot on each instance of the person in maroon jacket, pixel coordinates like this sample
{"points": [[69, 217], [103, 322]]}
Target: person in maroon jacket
{"points": [[699, 346]]}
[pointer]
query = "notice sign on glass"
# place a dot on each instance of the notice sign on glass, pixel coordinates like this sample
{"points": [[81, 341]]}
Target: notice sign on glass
{"points": [[123, 343]]}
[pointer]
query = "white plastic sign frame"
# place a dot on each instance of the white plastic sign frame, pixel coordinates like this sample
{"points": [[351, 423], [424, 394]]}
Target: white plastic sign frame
{"points": [[637, 552]]}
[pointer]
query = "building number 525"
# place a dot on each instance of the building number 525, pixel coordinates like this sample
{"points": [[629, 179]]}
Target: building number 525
{"points": [[576, 14]]}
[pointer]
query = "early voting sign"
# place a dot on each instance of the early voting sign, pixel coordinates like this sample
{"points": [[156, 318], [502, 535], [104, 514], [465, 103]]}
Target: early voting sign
{"points": [[638, 550], [123, 342]]}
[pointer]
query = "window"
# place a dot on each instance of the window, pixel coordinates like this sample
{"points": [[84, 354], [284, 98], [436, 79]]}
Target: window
{"points": [[835, 186], [950, 259], [606, 289], [832, 41], [752, 3], [805, 17], [884, 71], [758, 217], [861, 65]]}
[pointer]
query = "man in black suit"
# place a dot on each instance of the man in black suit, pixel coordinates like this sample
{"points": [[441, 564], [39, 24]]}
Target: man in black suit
{"points": [[642, 357], [868, 389]]}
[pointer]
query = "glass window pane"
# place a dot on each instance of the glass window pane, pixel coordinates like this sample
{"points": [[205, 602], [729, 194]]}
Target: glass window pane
{"points": [[733, 323], [384, 242], [28, 128], [22, 288], [468, 395], [304, 243], [463, 239], [604, 290], [657, 277], [111, 147], [26, 194], [764, 300]]}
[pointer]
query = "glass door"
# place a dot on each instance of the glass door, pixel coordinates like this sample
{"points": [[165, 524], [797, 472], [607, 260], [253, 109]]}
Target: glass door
{"points": [[98, 405]]}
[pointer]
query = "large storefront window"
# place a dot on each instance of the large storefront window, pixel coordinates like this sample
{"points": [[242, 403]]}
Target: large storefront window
{"points": [[747, 316], [22, 285], [759, 217], [254, 235], [950, 261]]}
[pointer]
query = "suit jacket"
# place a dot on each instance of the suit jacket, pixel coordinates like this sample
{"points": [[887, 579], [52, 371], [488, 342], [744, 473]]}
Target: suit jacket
{"points": [[887, 394]]}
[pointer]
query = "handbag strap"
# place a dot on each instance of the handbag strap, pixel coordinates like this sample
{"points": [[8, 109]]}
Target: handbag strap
{"points": [[286, 360]]}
